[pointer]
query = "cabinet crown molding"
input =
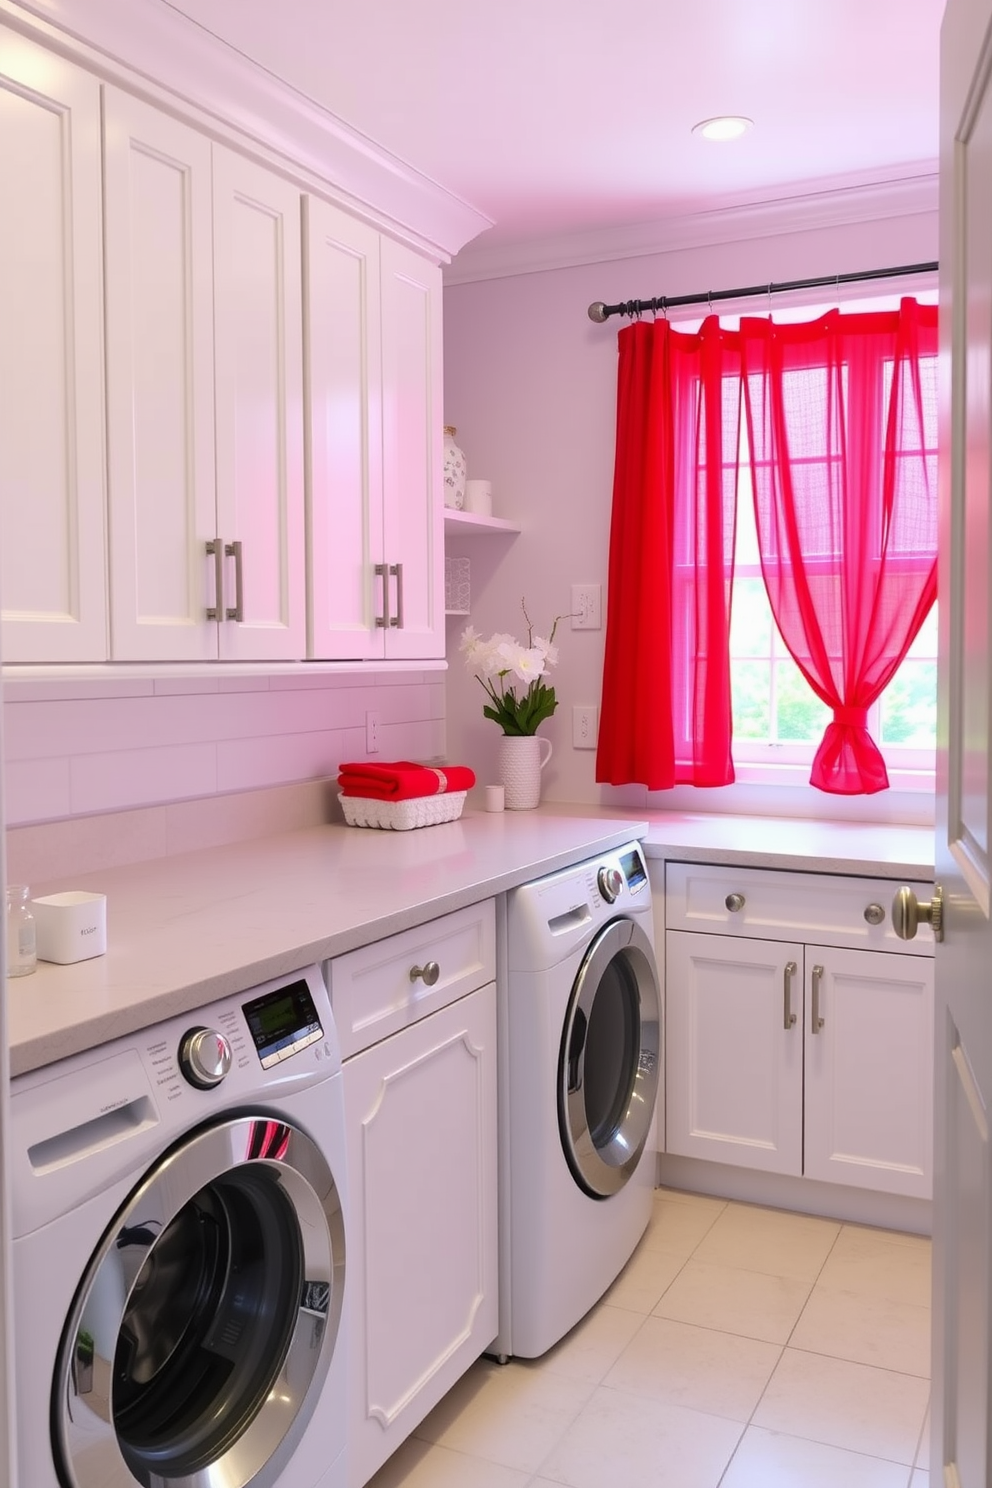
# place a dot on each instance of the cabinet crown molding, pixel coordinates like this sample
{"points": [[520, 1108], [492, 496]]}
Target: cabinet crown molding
{"points": [[147, 46]]}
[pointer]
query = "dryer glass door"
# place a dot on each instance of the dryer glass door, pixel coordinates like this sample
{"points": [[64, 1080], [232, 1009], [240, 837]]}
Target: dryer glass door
{"points": [[608, 1065], [204, 1326]]}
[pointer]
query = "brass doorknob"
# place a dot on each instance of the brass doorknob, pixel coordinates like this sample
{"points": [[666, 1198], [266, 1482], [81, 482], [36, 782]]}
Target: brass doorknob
{"points": [[908, 912]]}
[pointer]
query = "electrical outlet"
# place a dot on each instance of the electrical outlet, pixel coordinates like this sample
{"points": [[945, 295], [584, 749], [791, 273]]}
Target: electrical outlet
{"points": [[587, 607], [585, 727], [371, 733]]}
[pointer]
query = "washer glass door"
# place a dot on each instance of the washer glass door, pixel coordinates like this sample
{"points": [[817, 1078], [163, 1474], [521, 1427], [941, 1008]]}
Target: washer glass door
{"points": [[204, 1326], [608, 1065]]}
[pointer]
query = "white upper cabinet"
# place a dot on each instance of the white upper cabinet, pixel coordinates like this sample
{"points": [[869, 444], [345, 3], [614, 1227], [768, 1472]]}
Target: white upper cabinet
{"points": [[204, 392], [160, 383], [373, 329], [344, 367], [52, 479], [160, 369], [258, 366], [413, 516]]}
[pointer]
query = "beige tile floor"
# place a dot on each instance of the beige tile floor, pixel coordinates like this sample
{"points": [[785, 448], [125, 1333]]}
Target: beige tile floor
{"points": [[741, 1347]]}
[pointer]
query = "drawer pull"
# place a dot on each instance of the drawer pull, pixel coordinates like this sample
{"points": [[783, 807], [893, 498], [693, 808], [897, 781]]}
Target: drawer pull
{"points": [[429, 973], [789, 1015], [874, 914], [734, 902], [815, 1021]]}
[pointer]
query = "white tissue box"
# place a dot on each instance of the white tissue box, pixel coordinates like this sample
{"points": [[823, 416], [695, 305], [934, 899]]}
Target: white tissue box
{"points": [[71, 926]]}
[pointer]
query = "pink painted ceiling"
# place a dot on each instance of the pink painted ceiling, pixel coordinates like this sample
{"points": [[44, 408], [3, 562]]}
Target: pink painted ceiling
{"points": [[559, 116]]}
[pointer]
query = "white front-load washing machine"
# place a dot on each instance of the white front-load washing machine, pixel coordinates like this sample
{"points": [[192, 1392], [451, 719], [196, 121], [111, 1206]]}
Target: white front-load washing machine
{"points": [[179, 1252], [580, 1059]]}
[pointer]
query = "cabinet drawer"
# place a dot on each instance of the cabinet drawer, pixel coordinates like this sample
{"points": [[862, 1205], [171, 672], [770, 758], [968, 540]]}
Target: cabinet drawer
{"points": [[826, 908], [373, 993]]}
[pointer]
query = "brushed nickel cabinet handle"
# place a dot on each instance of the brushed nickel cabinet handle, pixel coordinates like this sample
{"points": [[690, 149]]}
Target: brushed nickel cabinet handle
{"points": [[381, 571], [397, 619], [215, 550], [429, 973], [788, 1016], [874, 914], [234, 550], [908, 912], [815, 1021], [735, 902]]}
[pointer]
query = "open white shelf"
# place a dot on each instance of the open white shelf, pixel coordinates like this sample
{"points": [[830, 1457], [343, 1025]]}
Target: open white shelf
{"points": [[465, 524]]}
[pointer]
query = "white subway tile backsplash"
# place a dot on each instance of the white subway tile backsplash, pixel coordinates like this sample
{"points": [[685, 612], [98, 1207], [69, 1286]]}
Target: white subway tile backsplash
{"points": [[133, 777], [105, 746], [36, 790]]}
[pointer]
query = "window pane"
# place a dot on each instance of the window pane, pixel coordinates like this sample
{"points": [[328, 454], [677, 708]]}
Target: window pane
{"points": [[751, 619], [751, 699], [908, 712], [800, 714]]}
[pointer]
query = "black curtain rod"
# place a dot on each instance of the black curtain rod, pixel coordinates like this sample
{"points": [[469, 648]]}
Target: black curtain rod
{"points": [[600, 312]]}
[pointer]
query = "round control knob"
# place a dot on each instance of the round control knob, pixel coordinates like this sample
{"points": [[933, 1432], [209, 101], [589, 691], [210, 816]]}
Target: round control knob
{"points": [[610, 881], [204, 1057]]}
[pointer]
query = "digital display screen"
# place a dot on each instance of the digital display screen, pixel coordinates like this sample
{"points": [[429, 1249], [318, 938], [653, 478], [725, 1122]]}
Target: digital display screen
{"points": [[634, 870], [282, 1021]]}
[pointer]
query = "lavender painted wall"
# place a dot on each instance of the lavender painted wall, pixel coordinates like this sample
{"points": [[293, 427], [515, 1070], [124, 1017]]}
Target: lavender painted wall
{"points": [[530, 384]]}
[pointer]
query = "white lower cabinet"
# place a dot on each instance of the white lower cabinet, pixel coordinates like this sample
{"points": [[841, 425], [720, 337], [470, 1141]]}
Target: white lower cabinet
{"points": [[790, 1056], [420, 1107]]}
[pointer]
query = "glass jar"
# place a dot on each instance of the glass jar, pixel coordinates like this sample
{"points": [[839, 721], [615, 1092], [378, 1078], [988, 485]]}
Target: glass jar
{"points": [[22, 953]]}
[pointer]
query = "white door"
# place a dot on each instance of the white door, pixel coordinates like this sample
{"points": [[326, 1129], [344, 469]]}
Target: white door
{"points": [[52, 548], [412, 431], [961, 1452], [160, 383], [258, 366]]}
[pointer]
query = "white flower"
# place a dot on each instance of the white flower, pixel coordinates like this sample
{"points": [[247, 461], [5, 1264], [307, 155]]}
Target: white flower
{"points": [[547, 650], [529, 664]]}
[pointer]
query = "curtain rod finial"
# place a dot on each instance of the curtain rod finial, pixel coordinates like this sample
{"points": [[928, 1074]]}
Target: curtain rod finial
{"points": [[597, 312]]}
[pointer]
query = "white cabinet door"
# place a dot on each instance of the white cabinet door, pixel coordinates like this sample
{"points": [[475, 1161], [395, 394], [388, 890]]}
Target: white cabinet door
{"points": [[344, 418], [869, 1070], [160, 383], [258, 366], [421, 1116], [413, 516], [734, 1062], [52, 479], [373, 346]]}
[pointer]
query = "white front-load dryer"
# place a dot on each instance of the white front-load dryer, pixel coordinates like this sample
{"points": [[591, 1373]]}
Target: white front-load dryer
{"points": [[580, 1060], [179, 1253]]}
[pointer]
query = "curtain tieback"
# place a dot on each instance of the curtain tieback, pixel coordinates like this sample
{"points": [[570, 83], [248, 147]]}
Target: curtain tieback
{"points": [[851, 717]]}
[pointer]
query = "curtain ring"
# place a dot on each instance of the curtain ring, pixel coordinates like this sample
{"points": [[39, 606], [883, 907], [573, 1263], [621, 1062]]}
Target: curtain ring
{"points": [[709, 301], [769, 300]]}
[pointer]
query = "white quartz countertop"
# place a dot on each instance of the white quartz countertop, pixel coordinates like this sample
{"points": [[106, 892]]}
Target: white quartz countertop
{"points": [[876, 851], [182, 931]]}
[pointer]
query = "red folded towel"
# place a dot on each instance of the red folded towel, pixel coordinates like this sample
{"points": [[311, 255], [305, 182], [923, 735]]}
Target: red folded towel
{"points": [[403, 780]]}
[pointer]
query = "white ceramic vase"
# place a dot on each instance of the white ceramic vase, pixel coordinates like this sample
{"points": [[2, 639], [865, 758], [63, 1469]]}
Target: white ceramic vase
{"points": [[522, 757], [455, 470]]}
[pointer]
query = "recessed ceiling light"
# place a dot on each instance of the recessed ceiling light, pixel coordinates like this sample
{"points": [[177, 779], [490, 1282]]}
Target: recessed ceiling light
{"points": [[724, 127]]}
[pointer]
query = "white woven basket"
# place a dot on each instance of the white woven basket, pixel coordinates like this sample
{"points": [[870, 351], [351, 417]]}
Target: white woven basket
{"points": [[402, 816]]}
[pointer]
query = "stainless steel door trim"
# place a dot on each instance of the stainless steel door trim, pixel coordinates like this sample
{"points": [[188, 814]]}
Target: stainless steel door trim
{"points": [[602, 1168], [272, 1163]]}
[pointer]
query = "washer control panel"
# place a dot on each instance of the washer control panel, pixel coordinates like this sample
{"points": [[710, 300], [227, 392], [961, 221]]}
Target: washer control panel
{"points": [[204, 1057], [610, 883]]}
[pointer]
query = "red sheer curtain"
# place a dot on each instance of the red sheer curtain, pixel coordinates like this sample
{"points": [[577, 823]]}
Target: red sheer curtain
{"points": [[841, 419], [666, 711]]}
